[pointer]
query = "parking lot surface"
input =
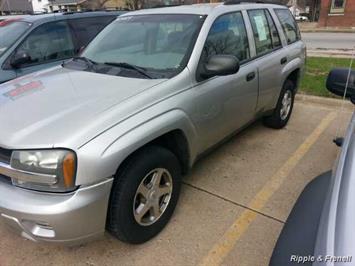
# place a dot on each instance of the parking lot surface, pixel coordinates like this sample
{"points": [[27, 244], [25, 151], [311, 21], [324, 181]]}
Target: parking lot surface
{"points": [[233, 203]]}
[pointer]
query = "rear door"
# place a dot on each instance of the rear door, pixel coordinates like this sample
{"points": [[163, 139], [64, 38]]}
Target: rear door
{"points": [[85, 29], [270, 57]]}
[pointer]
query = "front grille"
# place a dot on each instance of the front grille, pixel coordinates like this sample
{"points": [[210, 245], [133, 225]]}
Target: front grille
{"points": [[5, 155]]}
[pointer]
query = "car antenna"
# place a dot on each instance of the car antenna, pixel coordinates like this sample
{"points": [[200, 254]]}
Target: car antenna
{"points": [[339, 140]]}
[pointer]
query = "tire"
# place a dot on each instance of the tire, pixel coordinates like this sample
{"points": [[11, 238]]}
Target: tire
{"points": [[124, 221], [279, 119]]}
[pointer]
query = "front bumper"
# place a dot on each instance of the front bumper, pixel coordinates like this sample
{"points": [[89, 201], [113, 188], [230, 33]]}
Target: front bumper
{"points": [[70, 218]]}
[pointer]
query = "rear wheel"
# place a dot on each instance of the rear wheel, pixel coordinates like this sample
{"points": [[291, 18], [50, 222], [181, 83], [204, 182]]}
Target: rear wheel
{"points": [[283, 111], [144, 195]]}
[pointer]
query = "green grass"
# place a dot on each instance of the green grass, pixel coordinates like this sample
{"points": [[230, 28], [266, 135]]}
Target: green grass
{"points": [[317, 69]]}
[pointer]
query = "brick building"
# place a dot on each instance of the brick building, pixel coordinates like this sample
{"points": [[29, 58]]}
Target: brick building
{"points": [[337, 13]]}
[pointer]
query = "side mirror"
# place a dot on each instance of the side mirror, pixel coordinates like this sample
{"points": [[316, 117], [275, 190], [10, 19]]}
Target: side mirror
{"points": [[337, 81], [81, 50], [220, 65], [20, 58]]}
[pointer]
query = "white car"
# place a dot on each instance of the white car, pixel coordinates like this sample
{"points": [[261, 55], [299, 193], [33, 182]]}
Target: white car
{"points": [[301, 18]]}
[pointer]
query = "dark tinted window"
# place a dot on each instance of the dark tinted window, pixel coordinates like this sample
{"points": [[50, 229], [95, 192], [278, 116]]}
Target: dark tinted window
{"points": [[228, 36], [261, 30], [337, 6], [48, 42], [85, 29], [289, 25]]}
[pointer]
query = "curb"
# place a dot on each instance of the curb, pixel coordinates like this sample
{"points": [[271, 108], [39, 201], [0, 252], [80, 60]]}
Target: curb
{"points": [[324, 101], [325, 54], [328, 30]]}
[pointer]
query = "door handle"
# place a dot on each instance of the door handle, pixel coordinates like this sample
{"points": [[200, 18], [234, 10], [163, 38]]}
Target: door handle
{"points": [[283, 60], [250, 76]]}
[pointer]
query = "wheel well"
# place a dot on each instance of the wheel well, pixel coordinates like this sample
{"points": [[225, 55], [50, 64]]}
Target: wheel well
{"points": [[174, 141], [294, 76]]}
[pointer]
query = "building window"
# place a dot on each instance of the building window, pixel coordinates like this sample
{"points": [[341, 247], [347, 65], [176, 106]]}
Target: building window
{"points": [[337, 6]]}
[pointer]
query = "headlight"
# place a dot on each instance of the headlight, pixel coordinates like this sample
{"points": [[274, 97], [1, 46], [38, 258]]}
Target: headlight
{"points": [[45, 170]]}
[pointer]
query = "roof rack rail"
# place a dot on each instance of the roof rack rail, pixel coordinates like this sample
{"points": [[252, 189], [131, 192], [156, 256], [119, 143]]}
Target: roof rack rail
{"points": [[237, 2], [89, 11], [162, 5]]}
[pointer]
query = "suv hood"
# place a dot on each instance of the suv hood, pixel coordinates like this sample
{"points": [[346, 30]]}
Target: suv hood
{"points": [[45, 109]]}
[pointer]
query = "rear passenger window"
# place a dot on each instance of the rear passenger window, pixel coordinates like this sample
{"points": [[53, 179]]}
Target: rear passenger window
{"points": [[227, 36], [289, 25], [261, 30], [86, 29]]}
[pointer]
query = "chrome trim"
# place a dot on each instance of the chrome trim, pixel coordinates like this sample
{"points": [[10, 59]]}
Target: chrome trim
{"points": [[7, 170]]}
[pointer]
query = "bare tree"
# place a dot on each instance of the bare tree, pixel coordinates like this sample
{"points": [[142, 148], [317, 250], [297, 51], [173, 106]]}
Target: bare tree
{"points": [[94, 4], [1, 3], [135, 4]]}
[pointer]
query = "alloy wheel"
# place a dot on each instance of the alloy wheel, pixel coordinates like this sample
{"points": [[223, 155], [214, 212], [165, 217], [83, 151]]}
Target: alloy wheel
{"points": [[152, 196]]}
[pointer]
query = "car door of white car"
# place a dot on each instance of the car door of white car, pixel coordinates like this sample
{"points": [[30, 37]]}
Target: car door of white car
{"points": [[226, 103]]}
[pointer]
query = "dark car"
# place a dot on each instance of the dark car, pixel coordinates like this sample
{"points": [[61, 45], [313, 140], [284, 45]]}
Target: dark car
{"points": [[36, 42]]}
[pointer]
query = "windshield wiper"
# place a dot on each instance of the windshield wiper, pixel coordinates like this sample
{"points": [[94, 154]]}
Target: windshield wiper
{"points": [[140, 70]]}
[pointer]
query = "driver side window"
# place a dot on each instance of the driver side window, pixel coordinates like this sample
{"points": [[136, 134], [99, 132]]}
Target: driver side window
{"points": [[49, 42], [228, 36]]}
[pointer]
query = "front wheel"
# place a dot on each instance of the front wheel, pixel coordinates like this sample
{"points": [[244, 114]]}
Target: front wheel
{"points": [[144, 195], [283, 110]]}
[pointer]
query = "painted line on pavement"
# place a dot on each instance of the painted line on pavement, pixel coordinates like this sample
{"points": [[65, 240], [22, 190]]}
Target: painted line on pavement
{"points": [[223, 247]]}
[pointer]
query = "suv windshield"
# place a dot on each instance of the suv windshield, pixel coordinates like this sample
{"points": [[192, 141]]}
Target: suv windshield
{"points": [[160, 45], [10, 31]]}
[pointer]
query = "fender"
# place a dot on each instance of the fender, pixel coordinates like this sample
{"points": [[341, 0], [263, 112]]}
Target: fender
{"points": [[286, 71], [291, 66], [115, 145]]}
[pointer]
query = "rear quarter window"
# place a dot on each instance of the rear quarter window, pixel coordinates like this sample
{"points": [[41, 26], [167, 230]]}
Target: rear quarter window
{"points": [[289, 25]]}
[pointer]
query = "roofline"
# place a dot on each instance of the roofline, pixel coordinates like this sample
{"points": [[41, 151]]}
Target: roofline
{"points": [[206, 9], [38, 17]]}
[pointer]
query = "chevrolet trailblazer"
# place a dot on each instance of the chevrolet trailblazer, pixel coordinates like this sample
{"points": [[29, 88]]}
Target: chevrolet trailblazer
{"points": [[101, 142]]}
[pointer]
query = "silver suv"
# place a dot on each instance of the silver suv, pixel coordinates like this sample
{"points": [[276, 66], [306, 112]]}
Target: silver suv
{"points": [[103, 140]]}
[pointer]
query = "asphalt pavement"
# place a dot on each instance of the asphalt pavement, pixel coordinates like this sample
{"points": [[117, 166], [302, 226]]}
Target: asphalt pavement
{"points": [[329, 44], [329, 40]]}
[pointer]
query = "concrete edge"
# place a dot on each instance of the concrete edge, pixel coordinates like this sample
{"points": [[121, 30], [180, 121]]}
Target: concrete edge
{"points": [[328, 30], [313, 53], [324, 101], [329, 55]]}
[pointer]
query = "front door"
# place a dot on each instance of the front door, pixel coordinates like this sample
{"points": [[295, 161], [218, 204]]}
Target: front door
{"points": [[224, 104]]}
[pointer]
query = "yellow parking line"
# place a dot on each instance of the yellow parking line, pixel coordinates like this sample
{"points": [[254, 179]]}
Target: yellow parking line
{"points": [[222, 248]]}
